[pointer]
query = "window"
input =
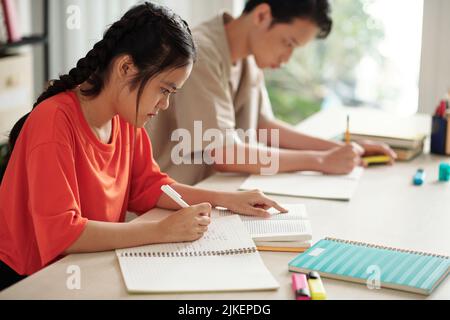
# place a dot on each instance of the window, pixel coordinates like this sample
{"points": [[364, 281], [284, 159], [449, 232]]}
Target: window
{"points": [[372, 58]]}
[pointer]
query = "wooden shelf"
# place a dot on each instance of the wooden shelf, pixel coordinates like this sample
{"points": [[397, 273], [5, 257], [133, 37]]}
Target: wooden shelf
{"points": [[37, 39], [32, 40]]}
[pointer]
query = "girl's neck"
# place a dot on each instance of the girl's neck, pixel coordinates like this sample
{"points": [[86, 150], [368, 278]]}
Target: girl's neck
{"points": [[98, 112]]}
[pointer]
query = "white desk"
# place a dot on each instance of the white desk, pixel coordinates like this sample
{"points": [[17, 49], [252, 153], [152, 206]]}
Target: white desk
{"points": [[385, 210]]}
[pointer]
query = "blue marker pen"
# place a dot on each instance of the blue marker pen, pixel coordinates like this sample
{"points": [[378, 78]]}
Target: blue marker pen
{"points": [[419, 178]]}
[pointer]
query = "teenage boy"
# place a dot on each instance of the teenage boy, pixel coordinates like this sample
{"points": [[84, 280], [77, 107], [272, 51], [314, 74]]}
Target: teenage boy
{"points": [[227, 92]]}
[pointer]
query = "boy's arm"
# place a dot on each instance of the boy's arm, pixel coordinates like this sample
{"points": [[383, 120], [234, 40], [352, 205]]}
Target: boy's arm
{"points": [[290, 138], [258, 159]]}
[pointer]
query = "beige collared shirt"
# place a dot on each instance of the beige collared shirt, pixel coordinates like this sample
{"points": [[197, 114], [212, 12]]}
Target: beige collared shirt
{"points": [[219, 94]]}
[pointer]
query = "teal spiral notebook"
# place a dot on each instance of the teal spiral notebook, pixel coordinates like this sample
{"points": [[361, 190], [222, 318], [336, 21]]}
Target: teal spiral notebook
{"points": [[398, 269]]}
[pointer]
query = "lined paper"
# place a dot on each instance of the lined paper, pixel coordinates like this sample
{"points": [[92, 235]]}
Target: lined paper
{"points": [[224, 233], [307, 184]]}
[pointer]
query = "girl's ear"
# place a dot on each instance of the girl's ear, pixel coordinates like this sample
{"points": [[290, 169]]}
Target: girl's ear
{"points": [[124, 67], [262, 16]]}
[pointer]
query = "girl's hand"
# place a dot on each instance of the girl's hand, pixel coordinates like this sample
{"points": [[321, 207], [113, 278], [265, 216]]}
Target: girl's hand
{"points": [[250, 203], [186, 225]]}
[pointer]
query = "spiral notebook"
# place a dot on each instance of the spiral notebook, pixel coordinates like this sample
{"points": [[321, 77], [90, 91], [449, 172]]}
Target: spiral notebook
{"points": [[416, 272], [225, 259]]}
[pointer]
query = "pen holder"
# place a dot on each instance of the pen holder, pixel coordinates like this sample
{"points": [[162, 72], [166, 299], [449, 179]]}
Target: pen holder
{"points": [[439, 136]]}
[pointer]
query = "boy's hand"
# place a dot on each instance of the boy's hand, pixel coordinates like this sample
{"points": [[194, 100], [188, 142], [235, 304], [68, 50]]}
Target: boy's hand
{"points": [[341, 160], [377, 149]]}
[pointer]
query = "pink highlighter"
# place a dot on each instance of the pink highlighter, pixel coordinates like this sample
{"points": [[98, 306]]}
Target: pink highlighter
{"points": [[300, 287]]}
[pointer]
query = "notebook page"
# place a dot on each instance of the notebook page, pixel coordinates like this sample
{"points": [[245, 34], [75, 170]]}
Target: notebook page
{"points": [[307, 184], [234, 272], [243, 272], [224, 233]]}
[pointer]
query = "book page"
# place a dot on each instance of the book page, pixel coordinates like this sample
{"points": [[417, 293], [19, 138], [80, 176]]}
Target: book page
{"points": [[224, 233], [291, 226]]}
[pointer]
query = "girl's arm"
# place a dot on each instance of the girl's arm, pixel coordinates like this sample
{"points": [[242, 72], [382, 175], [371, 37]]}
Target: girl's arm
{"points": [[253, 203], [191, 195], [186, 225], [103, 236]]}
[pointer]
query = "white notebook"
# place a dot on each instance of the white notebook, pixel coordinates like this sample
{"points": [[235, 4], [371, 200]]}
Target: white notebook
{"points": [[225, 259], [307, 185], [293, 226]]}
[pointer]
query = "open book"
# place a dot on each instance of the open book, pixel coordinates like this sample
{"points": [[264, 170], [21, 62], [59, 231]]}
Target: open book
{"points": [[281, 232], [225, 259], [307, 184]]}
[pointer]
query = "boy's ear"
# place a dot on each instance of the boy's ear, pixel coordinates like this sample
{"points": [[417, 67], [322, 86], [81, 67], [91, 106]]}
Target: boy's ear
{"points": [[262, 15]]}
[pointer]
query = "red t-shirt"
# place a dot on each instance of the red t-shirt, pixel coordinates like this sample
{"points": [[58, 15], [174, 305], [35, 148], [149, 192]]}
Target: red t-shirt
{"points": [[60, 176]]}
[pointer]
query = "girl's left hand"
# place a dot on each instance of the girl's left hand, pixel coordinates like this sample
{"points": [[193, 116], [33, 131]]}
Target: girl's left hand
{"points": [[251, 203]]}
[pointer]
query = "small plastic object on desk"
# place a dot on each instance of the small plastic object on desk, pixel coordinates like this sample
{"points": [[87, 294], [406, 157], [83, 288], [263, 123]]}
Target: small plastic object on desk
{"points": [[444, 172], [376, 160], [419, 178], [300, 287], [316, 286]]}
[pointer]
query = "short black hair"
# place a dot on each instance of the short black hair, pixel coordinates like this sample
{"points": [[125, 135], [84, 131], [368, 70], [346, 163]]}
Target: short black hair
{"points": [[285, 11]]}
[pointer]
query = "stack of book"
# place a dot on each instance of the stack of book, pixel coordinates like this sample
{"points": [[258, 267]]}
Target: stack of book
{"points": [[407, 147], [286, 232], [405, 134], [9, 22]]}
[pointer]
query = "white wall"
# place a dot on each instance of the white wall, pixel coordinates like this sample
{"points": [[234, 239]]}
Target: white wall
{"points": [[32, 24], [197, 11], [67, 46], [435, 69]]}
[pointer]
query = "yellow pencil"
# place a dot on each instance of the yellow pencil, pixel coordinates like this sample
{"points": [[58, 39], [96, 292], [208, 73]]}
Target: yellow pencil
{"points": [[347, 132]]}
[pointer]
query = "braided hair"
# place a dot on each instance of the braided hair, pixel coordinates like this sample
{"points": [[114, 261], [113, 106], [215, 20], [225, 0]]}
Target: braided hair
{"points": [[154, 37]]}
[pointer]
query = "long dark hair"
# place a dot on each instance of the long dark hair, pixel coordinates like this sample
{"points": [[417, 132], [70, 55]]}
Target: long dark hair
{"points": [[154, 37]]}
